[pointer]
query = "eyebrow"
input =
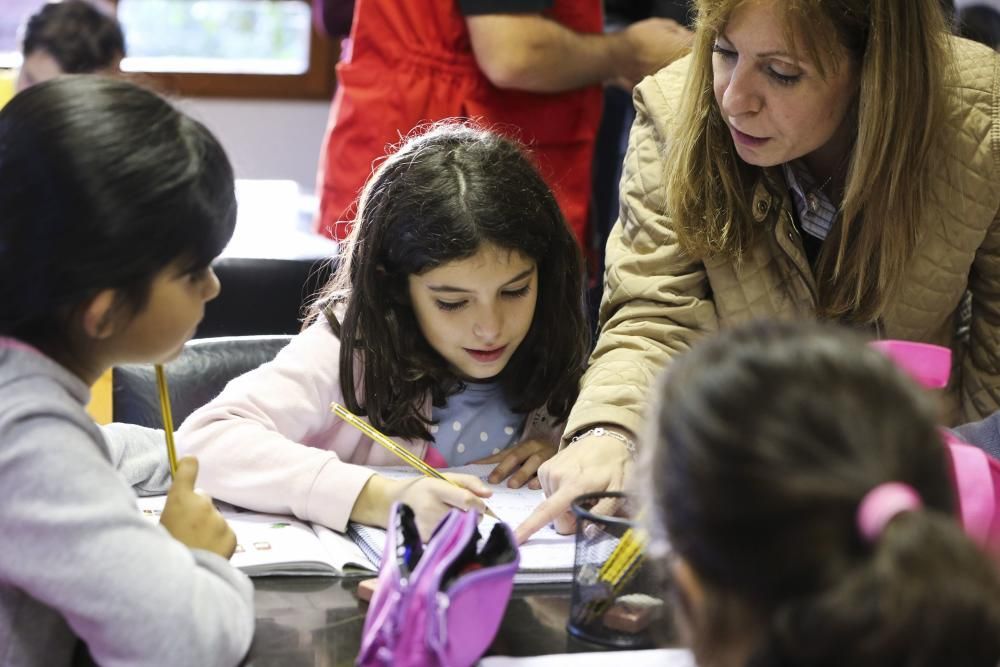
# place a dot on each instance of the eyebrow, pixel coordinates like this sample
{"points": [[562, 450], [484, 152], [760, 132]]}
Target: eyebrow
{"points": [[766, 54], [771, 54], [449, 288]]}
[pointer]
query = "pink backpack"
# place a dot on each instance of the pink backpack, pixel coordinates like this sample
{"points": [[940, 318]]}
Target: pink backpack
{"points": [[975, 473]]}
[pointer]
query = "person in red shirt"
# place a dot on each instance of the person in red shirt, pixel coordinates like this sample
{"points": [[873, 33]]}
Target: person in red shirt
{"points": [[530, 69]]}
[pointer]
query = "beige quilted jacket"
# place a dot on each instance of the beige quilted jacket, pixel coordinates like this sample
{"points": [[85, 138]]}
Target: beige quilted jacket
{"points": [[658, 300]]}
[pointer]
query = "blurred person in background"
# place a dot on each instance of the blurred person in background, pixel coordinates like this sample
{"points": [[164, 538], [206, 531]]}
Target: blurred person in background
{"points": [[71, 37], [979, 20]]}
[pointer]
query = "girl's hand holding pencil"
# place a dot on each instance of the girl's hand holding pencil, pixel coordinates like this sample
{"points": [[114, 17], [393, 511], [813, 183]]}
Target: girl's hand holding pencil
{"points": [[430, 499], [191, 518]]}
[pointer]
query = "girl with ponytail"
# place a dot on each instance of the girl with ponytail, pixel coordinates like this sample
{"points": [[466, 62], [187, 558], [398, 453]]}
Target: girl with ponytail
{"points": [[803, 488]]}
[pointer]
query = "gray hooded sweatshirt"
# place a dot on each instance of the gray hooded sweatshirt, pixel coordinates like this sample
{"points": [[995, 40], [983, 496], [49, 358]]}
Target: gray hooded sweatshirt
{"points": [[78, 561]]}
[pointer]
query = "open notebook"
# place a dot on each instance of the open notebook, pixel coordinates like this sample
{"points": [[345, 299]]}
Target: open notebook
{"points": [[270, 544], [274, 545]]}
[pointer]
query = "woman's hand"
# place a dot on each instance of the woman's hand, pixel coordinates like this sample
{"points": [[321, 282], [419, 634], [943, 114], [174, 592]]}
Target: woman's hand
{"points": [[191, 518], [524, 457], [429, 498], [592, 464]]}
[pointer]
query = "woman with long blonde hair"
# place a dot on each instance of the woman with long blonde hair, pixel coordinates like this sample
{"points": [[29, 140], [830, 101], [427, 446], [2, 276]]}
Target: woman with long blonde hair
{"points": [[830, 159]]}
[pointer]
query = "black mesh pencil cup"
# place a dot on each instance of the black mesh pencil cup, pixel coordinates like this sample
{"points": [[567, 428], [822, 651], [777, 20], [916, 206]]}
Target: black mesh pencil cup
{"points": [[617, 600]]}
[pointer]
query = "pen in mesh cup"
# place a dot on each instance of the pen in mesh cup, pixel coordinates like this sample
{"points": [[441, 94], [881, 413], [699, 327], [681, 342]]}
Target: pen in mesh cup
{"points": [[605, 575], [618, 570]]}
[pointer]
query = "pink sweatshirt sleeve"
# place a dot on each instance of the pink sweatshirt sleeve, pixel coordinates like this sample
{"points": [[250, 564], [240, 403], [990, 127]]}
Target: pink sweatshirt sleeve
{"points": [[269, 442]]}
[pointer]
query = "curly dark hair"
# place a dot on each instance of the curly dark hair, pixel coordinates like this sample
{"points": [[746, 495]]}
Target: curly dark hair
{"points": [[445, 194]]}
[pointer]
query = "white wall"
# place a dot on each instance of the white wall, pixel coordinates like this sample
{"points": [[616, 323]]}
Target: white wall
{"points": [[267, 138]]}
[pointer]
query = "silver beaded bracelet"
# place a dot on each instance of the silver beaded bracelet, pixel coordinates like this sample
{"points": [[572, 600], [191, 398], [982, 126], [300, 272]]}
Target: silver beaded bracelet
{"points": [[601, 431]]}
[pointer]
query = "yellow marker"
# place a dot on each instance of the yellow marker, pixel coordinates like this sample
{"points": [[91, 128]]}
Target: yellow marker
{"points": [[409, 457], [168, 420]]}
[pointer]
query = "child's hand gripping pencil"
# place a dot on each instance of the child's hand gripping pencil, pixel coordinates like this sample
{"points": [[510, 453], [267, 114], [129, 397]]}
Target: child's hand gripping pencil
{"points": [[408, 457], [189, 516]]}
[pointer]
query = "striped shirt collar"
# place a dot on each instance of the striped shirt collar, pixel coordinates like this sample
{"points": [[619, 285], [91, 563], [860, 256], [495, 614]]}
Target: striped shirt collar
{"points": [[815, 212]]}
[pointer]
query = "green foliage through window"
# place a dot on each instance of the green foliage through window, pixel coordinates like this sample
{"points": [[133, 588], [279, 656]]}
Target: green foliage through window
{"points": [[252, 36]]}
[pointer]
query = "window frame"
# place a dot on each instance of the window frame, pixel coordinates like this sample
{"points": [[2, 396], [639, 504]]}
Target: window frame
{"points": [[317, 82]]}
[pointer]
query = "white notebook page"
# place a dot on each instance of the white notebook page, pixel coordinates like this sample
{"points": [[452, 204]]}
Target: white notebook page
{"points": [[545, 551]]}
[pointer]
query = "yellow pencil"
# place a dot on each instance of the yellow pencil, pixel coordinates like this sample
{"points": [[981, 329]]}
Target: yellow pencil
{"points": [[409, 457], [168, 420], [616, 572], [628, 549]]}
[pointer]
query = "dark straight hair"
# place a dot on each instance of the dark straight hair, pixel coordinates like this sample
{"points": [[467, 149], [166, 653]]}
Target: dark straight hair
{"points": [[766, 439], [102, 185], [444, 195]]}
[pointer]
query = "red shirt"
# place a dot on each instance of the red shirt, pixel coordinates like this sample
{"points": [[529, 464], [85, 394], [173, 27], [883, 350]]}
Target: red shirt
{"points": [[411, 62]]}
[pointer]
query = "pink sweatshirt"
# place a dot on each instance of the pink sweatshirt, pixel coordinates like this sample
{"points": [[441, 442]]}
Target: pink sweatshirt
{"points": [[270, 443]]}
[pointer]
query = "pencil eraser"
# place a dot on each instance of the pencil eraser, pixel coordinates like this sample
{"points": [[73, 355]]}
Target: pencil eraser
{"points": [[366, 589], [629, 620], [631, 614]]}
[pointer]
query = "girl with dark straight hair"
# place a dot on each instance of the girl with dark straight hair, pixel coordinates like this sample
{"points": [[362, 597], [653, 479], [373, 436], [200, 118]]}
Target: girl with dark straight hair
{"points": [[112, 206], [454, 323]]}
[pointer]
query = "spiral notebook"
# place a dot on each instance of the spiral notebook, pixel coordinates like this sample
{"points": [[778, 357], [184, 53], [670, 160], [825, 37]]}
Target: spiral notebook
{"points": [[276, 545]]}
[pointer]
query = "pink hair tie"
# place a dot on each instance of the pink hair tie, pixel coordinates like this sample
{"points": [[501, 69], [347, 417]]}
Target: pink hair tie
{"points": [[881, 504]]}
